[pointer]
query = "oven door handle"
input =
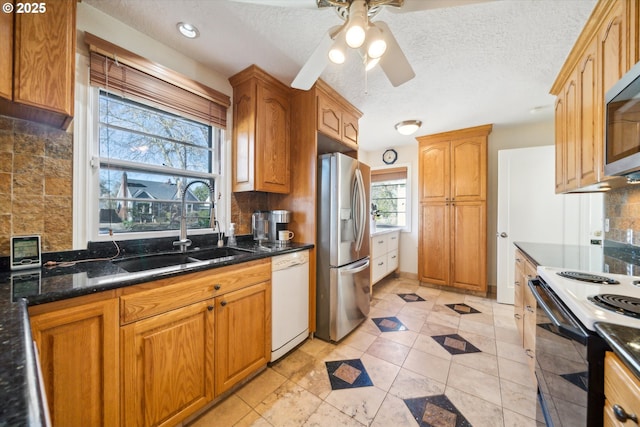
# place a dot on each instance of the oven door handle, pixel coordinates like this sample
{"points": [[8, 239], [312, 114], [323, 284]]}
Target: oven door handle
{"points": [[567, 326]]}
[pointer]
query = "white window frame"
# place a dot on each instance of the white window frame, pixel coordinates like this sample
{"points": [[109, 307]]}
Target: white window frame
{"points": [[86, 180], [407, 227]]}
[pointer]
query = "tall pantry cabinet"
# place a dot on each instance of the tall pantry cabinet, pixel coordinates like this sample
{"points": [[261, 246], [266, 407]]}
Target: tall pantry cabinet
{"points": [[453, 208]]}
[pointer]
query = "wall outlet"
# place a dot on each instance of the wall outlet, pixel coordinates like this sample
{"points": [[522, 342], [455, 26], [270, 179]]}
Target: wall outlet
{"points": [[630, 236], [606, 225]]}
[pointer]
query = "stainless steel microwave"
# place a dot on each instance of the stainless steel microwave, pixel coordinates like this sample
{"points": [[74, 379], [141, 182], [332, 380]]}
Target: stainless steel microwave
{"points": [[622, 126]]}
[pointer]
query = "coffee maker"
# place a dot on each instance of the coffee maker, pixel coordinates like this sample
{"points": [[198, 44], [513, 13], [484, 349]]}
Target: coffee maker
{"points": [[278, 221]]}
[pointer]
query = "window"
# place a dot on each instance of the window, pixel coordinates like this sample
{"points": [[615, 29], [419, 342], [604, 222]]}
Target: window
{"points": [[389, 191], [146, 159], [151, 132]]}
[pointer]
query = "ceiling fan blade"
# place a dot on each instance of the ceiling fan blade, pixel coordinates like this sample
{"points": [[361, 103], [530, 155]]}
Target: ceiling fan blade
{"points": [[394, 64], [418, 5], [318, 60], [308, 4]]}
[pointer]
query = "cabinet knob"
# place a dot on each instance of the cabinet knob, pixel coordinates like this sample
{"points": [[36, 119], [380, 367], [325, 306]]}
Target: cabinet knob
{"points": [[517, 316], [217, 287], [210, 307], [517, 283], [529, 353], [529, 308], [223, 303], [381, 263], [622, 415]]}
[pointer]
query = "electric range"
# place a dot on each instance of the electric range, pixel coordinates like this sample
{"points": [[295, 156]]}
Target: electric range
{"points": [[596, 297]]}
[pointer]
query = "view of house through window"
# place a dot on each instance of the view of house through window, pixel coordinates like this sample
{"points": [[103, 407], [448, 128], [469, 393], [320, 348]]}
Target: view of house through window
{"points": [[389, 196], [147, 157]]}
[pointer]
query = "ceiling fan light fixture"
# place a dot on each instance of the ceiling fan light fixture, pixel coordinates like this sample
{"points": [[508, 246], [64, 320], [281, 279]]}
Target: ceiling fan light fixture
{"points": [[357, 23], [376, 45], [370, 63], [187, 30], [337, 55], [407, 127]]}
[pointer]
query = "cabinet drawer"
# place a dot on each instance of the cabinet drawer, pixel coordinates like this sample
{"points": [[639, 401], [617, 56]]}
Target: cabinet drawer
{"points": [[149, 299], [621, 387], [393, 241], [378, 268], [392, 261], [378, 245]]}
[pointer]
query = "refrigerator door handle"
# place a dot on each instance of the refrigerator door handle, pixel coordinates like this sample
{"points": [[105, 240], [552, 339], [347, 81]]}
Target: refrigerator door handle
{"points": [[361, 266], [360, 208]]}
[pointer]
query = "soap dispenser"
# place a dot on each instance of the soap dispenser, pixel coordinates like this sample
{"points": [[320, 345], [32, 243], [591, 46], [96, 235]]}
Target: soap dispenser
{"points": [[231, 235]]}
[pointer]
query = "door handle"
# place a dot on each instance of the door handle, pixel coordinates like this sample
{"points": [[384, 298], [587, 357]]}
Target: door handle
{"points": [[357, 269], [503, 235]]}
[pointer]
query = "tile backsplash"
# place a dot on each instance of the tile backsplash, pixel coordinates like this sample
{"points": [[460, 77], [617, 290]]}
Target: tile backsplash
{"points": [[622, 208], [242, 207], [36, 185]]}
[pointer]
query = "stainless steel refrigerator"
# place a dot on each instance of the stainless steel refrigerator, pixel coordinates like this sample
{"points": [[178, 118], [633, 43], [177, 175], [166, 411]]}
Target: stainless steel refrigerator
{"points": [[343, 277]]}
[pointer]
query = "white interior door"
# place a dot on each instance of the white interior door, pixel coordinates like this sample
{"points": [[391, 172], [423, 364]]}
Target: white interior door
{"points": [[530, 211]]}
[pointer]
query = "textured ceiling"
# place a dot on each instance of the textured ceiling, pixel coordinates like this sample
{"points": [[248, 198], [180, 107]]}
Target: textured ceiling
{"points": [[481, 63]]}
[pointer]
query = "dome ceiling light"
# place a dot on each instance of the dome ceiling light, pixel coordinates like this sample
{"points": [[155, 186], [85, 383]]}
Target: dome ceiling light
{"points": [[407, 127]]}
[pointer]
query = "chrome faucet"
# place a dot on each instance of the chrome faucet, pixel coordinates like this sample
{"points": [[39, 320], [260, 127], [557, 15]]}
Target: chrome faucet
{"points": [[184, 242]]}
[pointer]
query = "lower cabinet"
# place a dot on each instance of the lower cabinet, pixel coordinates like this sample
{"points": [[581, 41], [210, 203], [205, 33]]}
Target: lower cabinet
{"points": [[525, 305], [243, 334], [384, 255], [168, 365], [78, 343], [622, 393], [155, 353]]}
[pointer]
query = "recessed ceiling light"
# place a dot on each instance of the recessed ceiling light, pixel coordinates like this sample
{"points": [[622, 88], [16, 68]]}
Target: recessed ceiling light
{"points": [[187, 30]]}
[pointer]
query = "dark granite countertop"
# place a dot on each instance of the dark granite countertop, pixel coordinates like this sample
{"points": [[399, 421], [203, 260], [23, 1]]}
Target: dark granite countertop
{"points": [[624, 341], [19, 390], [612, 257]]}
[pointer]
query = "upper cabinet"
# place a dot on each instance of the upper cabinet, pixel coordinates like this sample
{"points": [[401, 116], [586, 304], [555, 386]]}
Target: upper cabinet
{"points": [[261, 133], [605, 50], [337, 118], [37, 72]]}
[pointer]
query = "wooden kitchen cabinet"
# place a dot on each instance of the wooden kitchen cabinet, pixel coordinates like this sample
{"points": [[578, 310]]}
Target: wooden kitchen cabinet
{"points": [[622, 388], [518, 293], [185, 337], [261, 133], [524, 310], [168, 362], [78, 342], [336, 121], [243, 334], [453, 225], [604, 51], [37, 74]]}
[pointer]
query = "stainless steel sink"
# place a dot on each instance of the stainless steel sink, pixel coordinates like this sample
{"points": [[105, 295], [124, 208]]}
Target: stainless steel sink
{"points": [[155, 261], [150, 262], [225, 253]]}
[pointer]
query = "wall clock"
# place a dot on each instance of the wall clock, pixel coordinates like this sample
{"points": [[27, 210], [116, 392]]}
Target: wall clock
{"points": [[390, 156]]}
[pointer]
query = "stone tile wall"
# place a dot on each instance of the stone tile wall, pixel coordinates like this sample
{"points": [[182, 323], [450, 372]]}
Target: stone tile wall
{"points": [[36, 196], [622, 207], [242, 207]]}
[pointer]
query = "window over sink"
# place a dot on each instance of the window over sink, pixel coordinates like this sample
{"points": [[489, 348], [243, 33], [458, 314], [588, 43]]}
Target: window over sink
{"points": [[146, 158], [389, 197]]}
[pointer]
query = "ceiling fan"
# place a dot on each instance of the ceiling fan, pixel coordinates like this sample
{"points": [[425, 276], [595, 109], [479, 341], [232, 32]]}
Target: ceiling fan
{"points": [[374, 41]]}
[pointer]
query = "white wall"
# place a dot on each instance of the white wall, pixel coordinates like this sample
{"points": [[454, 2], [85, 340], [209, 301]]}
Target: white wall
{"points": [[407, 156], [502, 137]]}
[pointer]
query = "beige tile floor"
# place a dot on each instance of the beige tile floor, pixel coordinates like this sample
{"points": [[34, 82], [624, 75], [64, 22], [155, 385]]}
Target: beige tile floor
{"points": [[489, 388]]}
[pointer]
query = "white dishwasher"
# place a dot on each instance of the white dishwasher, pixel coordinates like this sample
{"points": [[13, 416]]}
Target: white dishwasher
{"points": [[289, 302]]}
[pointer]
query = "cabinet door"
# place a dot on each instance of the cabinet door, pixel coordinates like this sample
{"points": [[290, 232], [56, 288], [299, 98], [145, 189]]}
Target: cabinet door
{"points": [[613, 42], [469, 169], [44, 61], [168, 365], [571, 142], [560, 142], [590, 137], [435, 172], [468, 245], [434, 243], [243, 334], [6, 53], [244, 122], [350, 129], [518, 289], [79, 356], [529, 339], [329, 118], [272, 166]]}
